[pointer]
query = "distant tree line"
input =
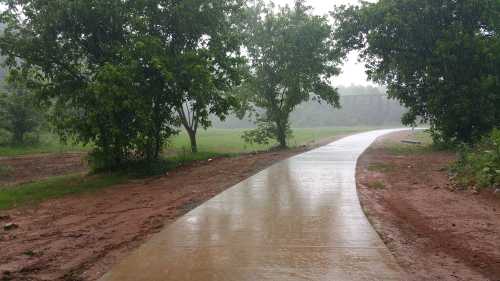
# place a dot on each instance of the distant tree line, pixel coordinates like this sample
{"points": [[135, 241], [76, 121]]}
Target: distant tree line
{"points": [[361, 106]]}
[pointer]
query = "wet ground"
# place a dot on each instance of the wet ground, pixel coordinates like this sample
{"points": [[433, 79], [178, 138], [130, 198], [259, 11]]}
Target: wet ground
{"points": [[297, 220], [435, 232], [80, 237]]}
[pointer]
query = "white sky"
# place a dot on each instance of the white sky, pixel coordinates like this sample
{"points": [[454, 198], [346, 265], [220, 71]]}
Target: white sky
{"points": [[353, 72]]}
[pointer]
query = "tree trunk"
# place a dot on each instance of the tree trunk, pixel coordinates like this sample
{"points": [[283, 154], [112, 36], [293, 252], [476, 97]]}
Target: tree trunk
{"points": [[282, 140], [281, 134], [192, 138], [17, 138]]}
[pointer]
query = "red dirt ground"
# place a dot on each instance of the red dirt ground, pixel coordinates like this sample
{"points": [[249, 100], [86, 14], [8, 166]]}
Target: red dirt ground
{"points": [[36, 167], [81, 237], [435, 233]]}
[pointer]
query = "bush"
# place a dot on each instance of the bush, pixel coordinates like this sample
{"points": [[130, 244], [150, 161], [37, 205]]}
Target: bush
{"points": [[263, 134], [479, 166]]}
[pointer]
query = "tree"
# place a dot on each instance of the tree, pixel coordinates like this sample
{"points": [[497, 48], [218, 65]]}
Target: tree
{"points": [[115, 72], [207, 60], [291, 59], [18, 113], [438, 58], [100, 78]]}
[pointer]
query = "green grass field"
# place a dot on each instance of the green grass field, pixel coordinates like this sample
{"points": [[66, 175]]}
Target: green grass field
{"points": [[212, 140], [212, 143], [230, 141]]}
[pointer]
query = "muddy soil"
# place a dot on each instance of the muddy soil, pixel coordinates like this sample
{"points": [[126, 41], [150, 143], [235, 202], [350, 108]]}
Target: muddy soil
{"points": [[35, 167], [434, 232], [81, 237]]}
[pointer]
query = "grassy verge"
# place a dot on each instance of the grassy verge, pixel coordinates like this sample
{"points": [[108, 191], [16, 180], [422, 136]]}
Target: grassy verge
{"points": [[36, 192], [398, 148], [32, 193], [213, 144]]}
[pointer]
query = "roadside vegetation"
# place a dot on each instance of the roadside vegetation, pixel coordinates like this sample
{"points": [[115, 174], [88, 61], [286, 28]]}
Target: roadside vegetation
{"points": [[214, 143], [438, 58], [479, 166], [423, 143]]}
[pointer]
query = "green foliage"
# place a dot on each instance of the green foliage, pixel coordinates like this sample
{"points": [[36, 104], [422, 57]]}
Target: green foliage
{"points": [[263, 134], [20, 120], [208, 63], [95, 70], [480, 166], [113, 73], [291, 61], [438, 58]]}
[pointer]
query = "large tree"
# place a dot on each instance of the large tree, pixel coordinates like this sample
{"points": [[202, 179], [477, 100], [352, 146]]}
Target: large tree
{"points": [[116, 73], [101, 78], [440, 58], [205, 44], [291, 60]]}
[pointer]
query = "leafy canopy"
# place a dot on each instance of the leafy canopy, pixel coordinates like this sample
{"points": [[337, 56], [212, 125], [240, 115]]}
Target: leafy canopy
{"points": [[113, 72], [291, 61], [439, 58]]}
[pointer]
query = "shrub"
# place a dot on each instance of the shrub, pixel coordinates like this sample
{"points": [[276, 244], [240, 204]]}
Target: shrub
{"points": [[479, 166]]}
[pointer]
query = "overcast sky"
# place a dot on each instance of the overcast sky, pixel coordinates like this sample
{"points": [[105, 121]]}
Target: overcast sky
{"points": [[352, 71]]}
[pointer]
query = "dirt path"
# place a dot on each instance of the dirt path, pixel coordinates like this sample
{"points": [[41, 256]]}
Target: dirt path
{"points": [[435, 233], [81, 237]]}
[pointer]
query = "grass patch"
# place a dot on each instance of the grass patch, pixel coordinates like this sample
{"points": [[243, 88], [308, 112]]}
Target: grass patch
{"points": [[56, 187], [398, 148], [32, 193], [142, 169], [380, 167], [376, 185]]}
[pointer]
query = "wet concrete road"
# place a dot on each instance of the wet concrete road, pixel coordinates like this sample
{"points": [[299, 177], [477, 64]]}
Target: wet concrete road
{"points": [[297, 220]]}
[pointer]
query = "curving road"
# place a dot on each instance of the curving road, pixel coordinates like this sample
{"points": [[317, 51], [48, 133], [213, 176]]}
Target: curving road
{"points": [[297, 220]]}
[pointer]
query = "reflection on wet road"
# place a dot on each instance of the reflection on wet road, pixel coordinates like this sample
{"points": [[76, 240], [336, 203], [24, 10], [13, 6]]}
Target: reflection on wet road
{"points": [[297, 220]]}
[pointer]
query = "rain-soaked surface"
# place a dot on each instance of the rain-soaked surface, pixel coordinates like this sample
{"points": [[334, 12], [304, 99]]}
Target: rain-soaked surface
{"points": [[297, 220]]}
